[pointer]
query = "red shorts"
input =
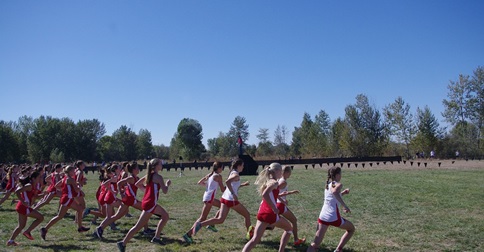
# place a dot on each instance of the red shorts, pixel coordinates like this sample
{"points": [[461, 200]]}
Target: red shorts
{"points": [[100, 198], [98, 192], [22, 209], [66, 201], [335, 223], [229, 203], [148, 206], [268, 217], [10, 188], [281, 207], [109, 198], [129, 201]]}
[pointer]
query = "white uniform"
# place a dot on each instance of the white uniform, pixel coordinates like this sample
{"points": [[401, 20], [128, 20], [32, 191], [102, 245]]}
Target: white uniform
{"points": [[227, 195], [211, 189], [281, 181], [330, 210]]}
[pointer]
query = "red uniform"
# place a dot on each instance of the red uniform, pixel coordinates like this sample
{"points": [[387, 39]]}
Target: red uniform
{"points": [[82, 179], [265, 213], [151, 197], [11, 184], [26, 196], [67, 193], [130, 191], [53, 181], [110, 196]]}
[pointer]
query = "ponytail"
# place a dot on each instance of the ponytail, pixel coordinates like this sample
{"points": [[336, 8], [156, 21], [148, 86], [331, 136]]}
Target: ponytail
{"points": [[332, 172], [151, 169], [265, 175], [236, 163]]}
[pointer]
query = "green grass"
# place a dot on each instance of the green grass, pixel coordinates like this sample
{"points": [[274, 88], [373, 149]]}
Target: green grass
{"points": [[418, 209]]}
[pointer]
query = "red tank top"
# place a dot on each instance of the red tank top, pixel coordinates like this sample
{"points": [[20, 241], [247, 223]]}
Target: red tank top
{"points": [[264, 206], [67, 189], [131, 189]]}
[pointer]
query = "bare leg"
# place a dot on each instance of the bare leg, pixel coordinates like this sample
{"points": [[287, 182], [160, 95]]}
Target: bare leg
{"points": [[143, 220], [245, 213], [22, 220], [318, 238], [350, 230], [260, 227]]}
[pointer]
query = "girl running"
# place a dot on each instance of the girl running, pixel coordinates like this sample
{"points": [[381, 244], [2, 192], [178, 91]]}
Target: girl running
{"points": [[212, 181], [153, 182], [12, 180], [53, 178], [69, 190], [230, 200], [282, 203], [26, 193], [329, 215], [129, 199], [268, 213]]}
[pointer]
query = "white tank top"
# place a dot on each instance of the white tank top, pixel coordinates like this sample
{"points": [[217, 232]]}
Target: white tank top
{"points": [[281, 181], [330, 210], [227, 195], [211, 189]]}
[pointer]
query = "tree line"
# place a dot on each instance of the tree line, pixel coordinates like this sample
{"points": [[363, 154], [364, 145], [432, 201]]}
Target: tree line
{"points": [[364, 131]]}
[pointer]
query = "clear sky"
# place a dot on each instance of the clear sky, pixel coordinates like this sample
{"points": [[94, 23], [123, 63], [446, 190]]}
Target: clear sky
{"points": [[149, 64]]}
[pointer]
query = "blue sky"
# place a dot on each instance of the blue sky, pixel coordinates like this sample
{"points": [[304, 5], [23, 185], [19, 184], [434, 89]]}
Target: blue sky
{"points": [[149, 64]]}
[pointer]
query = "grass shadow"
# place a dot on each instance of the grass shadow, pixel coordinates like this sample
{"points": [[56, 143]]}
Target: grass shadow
{"points": [[59, 248]]}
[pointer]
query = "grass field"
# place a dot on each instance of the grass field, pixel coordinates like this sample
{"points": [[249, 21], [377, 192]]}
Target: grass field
{"points": [[395, 207]]}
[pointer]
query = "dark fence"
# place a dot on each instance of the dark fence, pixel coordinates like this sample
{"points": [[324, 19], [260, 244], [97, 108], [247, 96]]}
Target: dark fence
{"points": [[251, 165]]}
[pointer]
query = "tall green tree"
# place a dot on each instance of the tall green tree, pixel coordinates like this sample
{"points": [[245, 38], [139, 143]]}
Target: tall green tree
{"points": [[429, 131], [400, 122], [265, 147], [476, 103], [9, 144], [125, 143], [366, 134], [239, 127], [87, 136], [144, 145], [281, 148], [189, 136]]}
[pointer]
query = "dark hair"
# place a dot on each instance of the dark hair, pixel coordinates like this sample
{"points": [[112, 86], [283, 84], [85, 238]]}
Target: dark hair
{"points": [[332, 172], [131, 167], [216, 165], [236, 163]]}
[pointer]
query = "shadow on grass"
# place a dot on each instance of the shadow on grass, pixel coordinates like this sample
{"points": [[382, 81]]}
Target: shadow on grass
{"points": [[59, 248], [275, 245]]}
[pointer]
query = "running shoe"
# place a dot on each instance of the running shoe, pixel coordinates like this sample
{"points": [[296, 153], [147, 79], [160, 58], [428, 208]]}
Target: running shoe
{"points": [[86, 212], [212, 228], [121, 246], [83, 229], [12, 243], [299, 242], [187, 239], [129, 215], [149, 231], [43, 233], [250, 233], [28, 235], [157, 241], [198, 226], [99, 232], [113, 226]]}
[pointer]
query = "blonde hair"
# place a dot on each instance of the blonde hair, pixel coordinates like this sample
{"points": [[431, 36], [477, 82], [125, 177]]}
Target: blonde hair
{"points": [[151, 170], [265, 175], [68, 169]]}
